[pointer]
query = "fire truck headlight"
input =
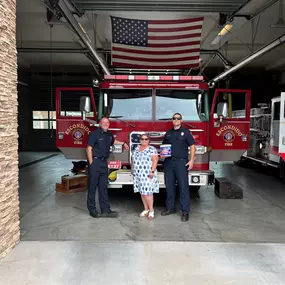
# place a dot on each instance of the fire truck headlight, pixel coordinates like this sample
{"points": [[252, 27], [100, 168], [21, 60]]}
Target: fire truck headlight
{"points": [[200, 149], [117, 148]]}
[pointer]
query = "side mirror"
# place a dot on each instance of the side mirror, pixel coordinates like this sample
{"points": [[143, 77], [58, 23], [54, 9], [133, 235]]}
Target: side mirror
{"points": [[85, 104], [222, 110]]}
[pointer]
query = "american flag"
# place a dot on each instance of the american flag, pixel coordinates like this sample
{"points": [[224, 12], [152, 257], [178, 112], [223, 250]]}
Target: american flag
{"points": [[156, 44]]}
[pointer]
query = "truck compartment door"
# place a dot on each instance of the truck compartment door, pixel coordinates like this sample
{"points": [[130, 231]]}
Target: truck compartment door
{"points": [[282, 127], [229, 124]]}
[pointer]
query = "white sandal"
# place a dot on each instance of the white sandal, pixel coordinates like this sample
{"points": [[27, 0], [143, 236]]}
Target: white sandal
{"points": [[143, 213], [151, 215]]}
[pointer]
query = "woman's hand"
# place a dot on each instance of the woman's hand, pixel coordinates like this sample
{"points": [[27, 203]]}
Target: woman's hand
{"points": [[150, 176]]}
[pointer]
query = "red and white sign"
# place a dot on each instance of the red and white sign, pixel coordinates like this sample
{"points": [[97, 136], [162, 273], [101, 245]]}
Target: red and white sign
{"points": [[114, 164]]}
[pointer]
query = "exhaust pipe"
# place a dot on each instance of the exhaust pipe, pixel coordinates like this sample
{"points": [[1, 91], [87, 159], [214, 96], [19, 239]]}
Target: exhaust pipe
{"points": [[78, 30], [248, 59]]}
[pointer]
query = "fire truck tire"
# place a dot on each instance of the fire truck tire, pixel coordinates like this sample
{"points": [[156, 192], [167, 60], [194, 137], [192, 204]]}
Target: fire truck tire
{"points": [[194, 191], [282, 169]]}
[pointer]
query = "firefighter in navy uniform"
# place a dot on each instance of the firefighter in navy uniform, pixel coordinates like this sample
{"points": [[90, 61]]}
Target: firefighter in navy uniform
{"points": [[98, 149], [177, 166]]}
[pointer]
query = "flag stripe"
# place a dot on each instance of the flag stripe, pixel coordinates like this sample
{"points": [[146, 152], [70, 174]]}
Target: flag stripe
{"points": [[174, 44], [169, 22], [174, 25], [153, 50], [154, 34], [155, 59], [148, 66], [176, 37], [156, 55], [170, 30]]}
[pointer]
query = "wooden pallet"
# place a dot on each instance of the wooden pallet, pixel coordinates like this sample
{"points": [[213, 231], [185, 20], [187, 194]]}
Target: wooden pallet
{"points": [[72, 184]]}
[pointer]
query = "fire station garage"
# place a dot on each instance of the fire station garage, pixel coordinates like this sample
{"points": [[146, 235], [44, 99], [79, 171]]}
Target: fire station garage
{"points": [[192, 94]]}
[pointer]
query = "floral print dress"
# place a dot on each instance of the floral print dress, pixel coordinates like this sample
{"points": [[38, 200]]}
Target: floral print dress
{"points": [[142, 162]]}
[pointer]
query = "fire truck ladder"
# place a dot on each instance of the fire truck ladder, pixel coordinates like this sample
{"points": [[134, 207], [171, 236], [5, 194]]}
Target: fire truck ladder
{"points": [[61, 8]]}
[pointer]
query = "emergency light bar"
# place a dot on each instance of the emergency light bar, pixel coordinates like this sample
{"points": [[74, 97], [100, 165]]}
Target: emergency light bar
{"points": [[154, 77]]}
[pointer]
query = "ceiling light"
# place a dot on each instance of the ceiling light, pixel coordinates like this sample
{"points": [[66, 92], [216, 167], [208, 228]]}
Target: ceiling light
{"points": [[225, 30], [221, 34]]}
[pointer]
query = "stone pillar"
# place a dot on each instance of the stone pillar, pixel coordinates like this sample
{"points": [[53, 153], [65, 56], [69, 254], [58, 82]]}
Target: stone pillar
{"points": [[9, 199]]}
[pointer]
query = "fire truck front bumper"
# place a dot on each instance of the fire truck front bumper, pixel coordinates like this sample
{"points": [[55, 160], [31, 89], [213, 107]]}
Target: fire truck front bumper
{"points": [[120, 178]]}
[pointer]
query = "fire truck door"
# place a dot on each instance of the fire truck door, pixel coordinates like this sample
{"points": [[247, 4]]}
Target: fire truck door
{"points": [[282, 127], [229, 124], [72, 128]]}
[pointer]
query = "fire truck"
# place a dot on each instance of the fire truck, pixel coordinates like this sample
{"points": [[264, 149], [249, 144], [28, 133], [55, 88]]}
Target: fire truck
{"points": [[267, 135], [138, 104]]}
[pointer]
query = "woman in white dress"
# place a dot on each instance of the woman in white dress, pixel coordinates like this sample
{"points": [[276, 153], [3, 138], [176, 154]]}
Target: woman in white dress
{"points": [[144, 163]]}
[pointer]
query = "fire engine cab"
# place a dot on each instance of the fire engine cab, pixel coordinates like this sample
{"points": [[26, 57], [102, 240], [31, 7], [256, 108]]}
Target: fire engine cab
{"points": [[267, 135], [137, 104]]}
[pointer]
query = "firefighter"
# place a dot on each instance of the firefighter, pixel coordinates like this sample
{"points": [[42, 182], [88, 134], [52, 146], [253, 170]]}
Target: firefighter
{"points": [[98, 149], [177, 166]]}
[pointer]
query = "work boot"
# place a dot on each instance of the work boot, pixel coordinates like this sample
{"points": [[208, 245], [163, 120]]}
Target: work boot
{"points": [[185, 217], [110, 214], [94, 214], [167, 212]]}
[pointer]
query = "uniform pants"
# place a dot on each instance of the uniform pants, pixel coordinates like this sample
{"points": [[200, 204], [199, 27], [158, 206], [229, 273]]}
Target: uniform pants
{"points": [[98, 176], [175, 169]]}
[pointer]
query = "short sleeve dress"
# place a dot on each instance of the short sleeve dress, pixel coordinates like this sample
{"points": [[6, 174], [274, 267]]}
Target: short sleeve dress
{"points": [[142, 161]]}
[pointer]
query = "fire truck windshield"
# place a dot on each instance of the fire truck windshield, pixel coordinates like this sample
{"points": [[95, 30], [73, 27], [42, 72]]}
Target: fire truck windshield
{"points": [[138, 104]]}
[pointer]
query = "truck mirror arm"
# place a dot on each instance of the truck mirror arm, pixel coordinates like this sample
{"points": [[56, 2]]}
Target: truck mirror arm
{"points": [[94, 123]]}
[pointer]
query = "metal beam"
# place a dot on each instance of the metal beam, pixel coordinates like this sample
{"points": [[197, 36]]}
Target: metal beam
{"points": [[248, 59], [226, 62], [62, 6]]}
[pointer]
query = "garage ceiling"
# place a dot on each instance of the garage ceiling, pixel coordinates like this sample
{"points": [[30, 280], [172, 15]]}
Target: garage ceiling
{"points": [[212, 6], [34, 33]]}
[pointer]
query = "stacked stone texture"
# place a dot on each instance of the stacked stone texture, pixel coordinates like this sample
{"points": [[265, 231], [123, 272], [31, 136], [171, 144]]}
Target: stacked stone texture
{"points": [[9, 201]]}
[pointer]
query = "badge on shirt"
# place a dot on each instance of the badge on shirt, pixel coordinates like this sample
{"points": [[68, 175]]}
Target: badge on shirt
{"points": [[182, 134]]}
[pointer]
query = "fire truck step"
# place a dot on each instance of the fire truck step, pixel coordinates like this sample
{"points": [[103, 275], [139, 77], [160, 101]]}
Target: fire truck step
{"points": [[72, 184], [224, 189]]}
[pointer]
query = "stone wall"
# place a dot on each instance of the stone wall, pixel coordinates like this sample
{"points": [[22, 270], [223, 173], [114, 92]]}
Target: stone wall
{"points": [[9, 201]]}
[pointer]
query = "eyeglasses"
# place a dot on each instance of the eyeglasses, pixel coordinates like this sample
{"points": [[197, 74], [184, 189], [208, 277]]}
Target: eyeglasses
{"points": [[176, 118], [144, 139]]}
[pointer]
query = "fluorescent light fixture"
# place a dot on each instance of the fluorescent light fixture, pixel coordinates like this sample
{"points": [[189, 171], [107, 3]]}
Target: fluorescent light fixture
{"points": [[225, 30], [221, 34]]}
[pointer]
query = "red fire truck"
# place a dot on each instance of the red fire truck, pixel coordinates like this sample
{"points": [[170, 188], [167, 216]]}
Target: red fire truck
{"points": [[137, 104]]}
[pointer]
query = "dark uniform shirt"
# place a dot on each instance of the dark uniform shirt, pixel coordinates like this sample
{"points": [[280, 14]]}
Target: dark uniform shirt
{"points": [[180, 140], [101, 142]]}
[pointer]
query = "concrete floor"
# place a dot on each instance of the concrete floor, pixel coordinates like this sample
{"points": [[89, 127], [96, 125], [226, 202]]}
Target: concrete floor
{"points": [[224, 242]]}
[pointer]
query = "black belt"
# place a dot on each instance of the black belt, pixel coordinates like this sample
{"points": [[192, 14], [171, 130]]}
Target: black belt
{"points": [[177, 158], [100, 158]]}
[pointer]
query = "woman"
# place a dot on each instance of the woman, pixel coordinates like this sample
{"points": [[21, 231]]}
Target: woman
{"points": [[144, 163]]}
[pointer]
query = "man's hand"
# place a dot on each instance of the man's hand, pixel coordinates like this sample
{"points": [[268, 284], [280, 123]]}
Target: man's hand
{"points": [[126, 147], [190, 164]]}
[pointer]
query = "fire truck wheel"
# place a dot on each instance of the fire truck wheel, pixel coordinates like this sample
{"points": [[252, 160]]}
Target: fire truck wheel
{"points": [[282, 169], [194, 192]]}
